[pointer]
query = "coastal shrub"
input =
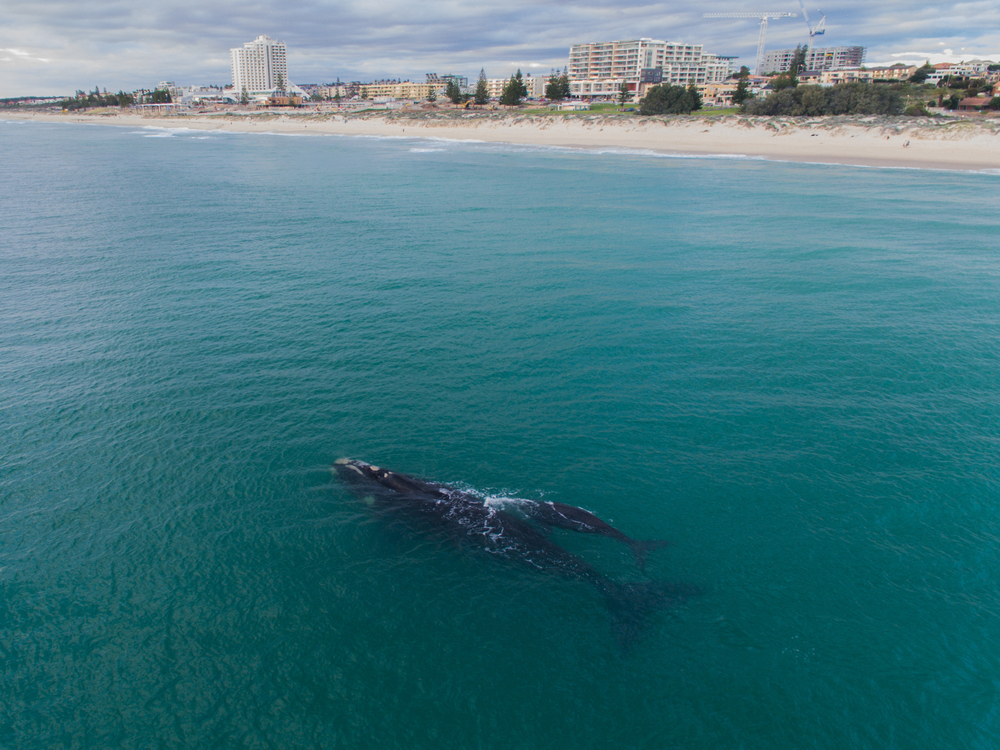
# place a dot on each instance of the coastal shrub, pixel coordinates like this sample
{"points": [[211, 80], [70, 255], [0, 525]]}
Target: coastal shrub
{"points": [[862, 99], [669, 100], [842, 99]]}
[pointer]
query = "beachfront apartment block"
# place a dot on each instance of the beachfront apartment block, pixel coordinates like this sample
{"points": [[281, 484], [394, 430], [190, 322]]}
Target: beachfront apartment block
{"points": [[821, 58], [535, 85], [599, 68], [393, 89], [259, 66]]}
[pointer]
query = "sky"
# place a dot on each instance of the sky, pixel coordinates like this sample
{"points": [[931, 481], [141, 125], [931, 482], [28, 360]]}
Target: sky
{"points": [[54, 47]]}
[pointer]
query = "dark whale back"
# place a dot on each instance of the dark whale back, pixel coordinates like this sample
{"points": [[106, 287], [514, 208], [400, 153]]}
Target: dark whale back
{"points": [[469, 520]]}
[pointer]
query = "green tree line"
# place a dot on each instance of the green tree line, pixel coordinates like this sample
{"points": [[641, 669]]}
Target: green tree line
{"points": [[842, 99], [86, 100]]}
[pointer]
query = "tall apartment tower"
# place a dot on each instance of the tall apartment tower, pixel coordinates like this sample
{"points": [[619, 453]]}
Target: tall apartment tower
{"points": [[822, 58], [257, 65]]}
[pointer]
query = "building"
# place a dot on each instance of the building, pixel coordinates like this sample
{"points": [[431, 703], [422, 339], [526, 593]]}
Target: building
{"points": [[259, 66], [970, 69], [719, 94], [820, 58], [898, 72], [443, 81], [598, 69], [535, 86]]}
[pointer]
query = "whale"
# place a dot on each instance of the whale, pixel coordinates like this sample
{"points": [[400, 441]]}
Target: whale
{"points": [[577, 519], [440, 509]]}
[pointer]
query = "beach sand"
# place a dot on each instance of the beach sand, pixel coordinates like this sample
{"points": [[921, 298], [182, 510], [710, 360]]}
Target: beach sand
{"points": [[971, 143]]}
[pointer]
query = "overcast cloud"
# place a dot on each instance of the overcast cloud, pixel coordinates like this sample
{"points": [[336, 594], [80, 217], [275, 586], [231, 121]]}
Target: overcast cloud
{"points": [[58, 46]]}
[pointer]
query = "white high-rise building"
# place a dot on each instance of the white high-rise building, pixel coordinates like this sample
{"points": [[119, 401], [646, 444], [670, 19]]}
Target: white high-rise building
{"points": [[823, 58], [257, 66], [681, 64]]}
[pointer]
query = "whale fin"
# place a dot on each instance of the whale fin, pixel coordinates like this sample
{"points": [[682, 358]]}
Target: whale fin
{"points": [[641, 547], [631, 603]]}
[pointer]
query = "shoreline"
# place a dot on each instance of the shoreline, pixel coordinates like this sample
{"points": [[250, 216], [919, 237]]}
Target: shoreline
{"points": [[963, 144]]}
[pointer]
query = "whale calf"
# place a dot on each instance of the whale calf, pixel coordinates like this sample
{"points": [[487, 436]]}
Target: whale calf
{"points": [[577, 519], [440, 509]]}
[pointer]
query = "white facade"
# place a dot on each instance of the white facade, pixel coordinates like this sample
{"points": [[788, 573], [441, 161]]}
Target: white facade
{"points": [[605, 88], [534, 84], [682, 64], [257, 65]]}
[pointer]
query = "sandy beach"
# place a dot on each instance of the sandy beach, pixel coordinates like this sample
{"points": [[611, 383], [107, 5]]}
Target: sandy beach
{"points": [[928, 143]]}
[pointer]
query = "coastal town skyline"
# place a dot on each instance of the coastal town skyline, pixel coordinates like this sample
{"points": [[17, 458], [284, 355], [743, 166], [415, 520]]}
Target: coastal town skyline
{"points": [[46, 50]]}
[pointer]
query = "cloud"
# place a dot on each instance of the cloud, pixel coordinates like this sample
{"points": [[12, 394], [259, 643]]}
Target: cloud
{"points": [[128, 44], [20, 55]]}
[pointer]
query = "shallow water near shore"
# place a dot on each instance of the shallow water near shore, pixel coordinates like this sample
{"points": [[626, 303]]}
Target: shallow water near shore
{"points": [[789, 371]]}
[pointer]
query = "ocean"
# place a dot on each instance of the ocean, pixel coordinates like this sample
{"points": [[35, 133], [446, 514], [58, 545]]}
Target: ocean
{"points": [[789, 371]]}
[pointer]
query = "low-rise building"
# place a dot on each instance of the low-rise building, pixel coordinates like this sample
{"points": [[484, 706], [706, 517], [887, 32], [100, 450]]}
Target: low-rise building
{"points": [[535, 86], [973, 103], [718, 94], [898, 72], [393, 89]]}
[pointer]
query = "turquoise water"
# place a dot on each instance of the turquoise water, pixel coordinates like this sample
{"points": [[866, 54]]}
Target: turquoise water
{"points": [[792, 372]]}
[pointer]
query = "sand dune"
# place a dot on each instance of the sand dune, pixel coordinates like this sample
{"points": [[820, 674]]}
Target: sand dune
{"points": [[939, 143]]}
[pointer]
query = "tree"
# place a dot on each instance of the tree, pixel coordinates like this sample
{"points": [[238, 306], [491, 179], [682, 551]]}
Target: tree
{"points": [[790, 78], [623, 93], [920, 74], [784, 81], [522, 89], [742, 93], [432, 95], [244, 96], [513, 91], [798, 61], [482, 89], [553, 89], [975, 86], [564, 85], [279, 86], [695, 97], [453, 92], [669, 100]]}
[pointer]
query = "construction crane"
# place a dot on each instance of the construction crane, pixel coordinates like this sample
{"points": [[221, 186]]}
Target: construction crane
{"points": [[814, 31], [763, 16]]}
